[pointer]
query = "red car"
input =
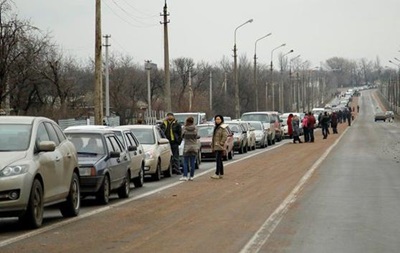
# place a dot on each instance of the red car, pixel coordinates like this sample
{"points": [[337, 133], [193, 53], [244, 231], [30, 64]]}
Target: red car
{"points": [[205, 131]]}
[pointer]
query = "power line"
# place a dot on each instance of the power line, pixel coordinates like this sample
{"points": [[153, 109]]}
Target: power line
{"points": [[126, 21], [141, 12]]}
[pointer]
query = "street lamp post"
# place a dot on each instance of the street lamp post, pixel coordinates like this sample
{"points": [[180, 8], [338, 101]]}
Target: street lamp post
{"points": [[280, 90], [271, 78], [235, 73], [396, 88], [255, 69], [149, 66], [292, 89]]}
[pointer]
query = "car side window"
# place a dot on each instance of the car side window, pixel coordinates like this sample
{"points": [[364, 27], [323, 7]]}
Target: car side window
{"points": [[59, 132], [131, 139], [41, 134], [116, 145], [52, 133]]}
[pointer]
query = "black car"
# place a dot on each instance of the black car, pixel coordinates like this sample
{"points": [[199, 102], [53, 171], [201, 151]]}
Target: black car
{"points": [[103, 163]]}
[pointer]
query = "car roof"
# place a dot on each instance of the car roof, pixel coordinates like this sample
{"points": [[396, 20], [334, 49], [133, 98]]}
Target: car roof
{"points": [[20, 119], [137, 126], [89, 131]]}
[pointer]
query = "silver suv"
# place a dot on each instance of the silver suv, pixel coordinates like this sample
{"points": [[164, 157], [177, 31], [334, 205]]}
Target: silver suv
{"points": [[38, 167]]}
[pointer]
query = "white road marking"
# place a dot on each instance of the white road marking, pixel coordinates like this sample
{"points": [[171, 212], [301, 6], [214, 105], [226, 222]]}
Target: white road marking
{"points": [[106, 208], [265, 231]]}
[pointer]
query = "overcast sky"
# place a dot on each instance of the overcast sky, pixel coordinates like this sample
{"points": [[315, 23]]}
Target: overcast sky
{"points": [[204, 30]]}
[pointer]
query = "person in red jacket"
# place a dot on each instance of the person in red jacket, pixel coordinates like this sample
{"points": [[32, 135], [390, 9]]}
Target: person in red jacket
{"points": [[311, 125], [289, 125]]}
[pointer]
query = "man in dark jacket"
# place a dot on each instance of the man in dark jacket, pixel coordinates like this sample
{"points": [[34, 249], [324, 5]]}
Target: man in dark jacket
{"points": [[173, 132]]}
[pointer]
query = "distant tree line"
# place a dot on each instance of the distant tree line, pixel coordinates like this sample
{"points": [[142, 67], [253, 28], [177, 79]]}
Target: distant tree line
{"points": [[38, 78]]}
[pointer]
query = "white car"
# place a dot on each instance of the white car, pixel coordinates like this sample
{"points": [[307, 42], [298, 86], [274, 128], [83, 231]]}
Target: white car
{"points": [[157, 150], [284, 118], [261, 134]]}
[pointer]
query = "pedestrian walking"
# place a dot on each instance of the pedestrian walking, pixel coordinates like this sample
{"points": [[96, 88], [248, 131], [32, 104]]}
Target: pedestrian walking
{"points": [[289, 125], [358, 108], [296, 129], [173, 131], [218, 145], [190, 148]]}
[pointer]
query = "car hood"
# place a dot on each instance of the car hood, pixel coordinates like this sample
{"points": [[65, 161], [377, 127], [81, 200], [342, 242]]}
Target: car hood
{"points": [[7, 158], [147, 147]]}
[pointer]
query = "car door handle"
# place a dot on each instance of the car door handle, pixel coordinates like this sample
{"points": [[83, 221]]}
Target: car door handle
{"points": [[125, 158], [58, 159], [69, 155]]}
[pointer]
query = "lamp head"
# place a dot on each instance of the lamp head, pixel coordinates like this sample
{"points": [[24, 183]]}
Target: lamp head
{"points": [[250, 20]]}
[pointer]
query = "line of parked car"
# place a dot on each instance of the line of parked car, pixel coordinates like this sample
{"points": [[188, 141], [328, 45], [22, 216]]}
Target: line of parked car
{"points": [[41, 165]]}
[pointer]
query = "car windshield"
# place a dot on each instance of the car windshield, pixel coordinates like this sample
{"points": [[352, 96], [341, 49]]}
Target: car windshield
{"points": [[234, 127], [14, 137], [206, 131], [256, 117], [145, 136], [256, 125], [87, 143]]}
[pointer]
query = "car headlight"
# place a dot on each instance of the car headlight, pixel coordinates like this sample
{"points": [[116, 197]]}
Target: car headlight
{"points": [[14, 170], [149, 154]]}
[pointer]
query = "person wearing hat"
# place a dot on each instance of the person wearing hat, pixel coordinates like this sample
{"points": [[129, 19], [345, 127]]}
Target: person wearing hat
{"points": [[173, 132]]}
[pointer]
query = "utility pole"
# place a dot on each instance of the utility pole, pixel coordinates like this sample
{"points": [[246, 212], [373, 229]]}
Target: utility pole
{"points": [[167, 94], [98, 89], [107, 78], [190, 90], [211, 93]]}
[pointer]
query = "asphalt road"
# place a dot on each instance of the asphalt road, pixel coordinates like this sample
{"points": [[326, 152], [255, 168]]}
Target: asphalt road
{"points": [[335, 195], [353, 204]]}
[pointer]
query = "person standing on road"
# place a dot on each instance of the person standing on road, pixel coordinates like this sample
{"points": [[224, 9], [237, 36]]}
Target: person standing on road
{"points": [[217, 145], [173, 132], [311, 126], [296, 129], [190, 148], [305, 128], [334, 122], [289, 125], [325, 124]]}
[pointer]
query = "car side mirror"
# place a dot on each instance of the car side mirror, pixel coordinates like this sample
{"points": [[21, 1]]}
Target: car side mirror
{"points": [[47, 146]]}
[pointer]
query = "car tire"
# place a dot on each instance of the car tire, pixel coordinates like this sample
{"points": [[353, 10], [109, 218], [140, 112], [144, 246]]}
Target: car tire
{"points": [[168, 172], [123, 191], [71, 207], [139, 181], [33, 217], [157, 175], [103, 195], [197, 161], [246, 148]]}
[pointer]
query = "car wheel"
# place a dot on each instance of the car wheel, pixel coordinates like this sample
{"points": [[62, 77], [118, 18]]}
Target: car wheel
{"points": [[103, 195], [168, 172], [70, 208], [246, 148], [33, 217], [225, 157], [197, 162], [123, 191], [138, 181], [157, 175]]}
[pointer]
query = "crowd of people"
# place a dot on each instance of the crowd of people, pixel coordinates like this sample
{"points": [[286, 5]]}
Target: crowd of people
{"points": [[325, 121]]}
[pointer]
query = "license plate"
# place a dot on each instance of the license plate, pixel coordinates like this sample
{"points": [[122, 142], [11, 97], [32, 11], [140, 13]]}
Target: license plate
{"points": [[206, 150]]}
